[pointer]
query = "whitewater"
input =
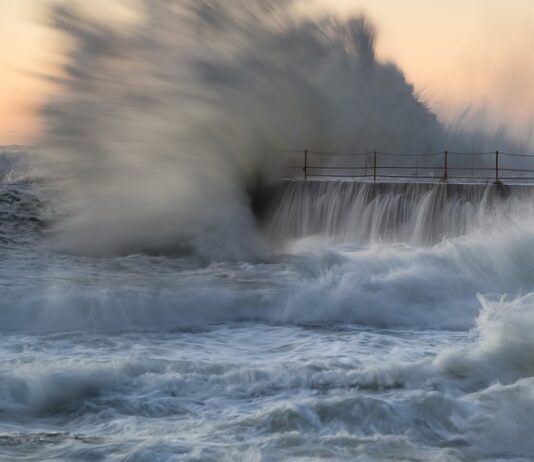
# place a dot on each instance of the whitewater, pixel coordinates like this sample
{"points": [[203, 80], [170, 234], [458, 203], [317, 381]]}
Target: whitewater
{"points": [[165, 296]]}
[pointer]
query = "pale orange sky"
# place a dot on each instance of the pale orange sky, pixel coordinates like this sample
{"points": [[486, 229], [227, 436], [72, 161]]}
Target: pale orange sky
{"points": [[24, 49], [456, 52]]}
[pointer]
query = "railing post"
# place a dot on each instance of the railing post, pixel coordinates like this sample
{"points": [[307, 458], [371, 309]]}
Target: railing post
{"points": [[305, 168], [374, 166], [497, 167], [445, 168]]}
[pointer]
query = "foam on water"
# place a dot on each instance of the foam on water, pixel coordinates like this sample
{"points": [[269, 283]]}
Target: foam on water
{"points": [[296, 388], [288, 392], [146, 314], [298, 355], [344, 271]]}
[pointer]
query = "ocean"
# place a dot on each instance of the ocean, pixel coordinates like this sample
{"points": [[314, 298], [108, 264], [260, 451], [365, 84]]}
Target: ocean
{"points": [[329, 348], [165, 296]]}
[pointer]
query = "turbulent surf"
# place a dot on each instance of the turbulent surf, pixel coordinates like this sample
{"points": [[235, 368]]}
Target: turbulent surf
{"points": [[163, 298]]}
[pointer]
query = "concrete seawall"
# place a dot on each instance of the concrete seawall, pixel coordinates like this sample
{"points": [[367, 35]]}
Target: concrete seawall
{"points": [[424, 212]]}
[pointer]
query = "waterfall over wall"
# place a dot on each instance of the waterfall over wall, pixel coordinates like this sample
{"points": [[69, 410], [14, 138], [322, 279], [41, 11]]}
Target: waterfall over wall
{"points": [[416, 213]]}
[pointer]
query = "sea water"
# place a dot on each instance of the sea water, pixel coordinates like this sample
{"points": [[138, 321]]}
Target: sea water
{"points": [[147, 314], [326, 349]]}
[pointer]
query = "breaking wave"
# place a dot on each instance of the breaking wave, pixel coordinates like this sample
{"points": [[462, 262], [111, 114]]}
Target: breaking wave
{"points": [[351, 320], [168, 126]]}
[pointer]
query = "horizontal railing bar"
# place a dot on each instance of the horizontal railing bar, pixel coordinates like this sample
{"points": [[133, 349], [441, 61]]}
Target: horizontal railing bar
{"points": [[413, 167], [324, 153], [439, 167], [515, 170], [433, 177], [424, 177], [405, 154], [409, 154], [398, 154], [340, 176], [339, 168], [459, 153], [516, 178], [478, 178], [492, 169], [512, 154]]}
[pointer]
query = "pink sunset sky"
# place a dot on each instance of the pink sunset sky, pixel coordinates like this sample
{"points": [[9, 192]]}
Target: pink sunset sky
{"points": [[457, 53]]}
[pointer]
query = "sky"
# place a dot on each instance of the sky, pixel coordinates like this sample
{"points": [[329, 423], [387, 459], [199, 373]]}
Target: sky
{"points": [[475, 54]]}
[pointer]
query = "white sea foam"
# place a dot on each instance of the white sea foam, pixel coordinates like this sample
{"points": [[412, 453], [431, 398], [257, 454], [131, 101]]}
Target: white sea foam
{"points": [[360, 322], [470, 401], [311, 282]]}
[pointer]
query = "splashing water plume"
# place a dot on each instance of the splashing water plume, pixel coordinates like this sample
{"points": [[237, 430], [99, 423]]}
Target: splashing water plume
{"points": [[167, 126], [232, 316]]}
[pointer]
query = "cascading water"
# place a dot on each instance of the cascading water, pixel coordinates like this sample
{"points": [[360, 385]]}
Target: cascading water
{"points": [[416, 213], [160, 300]]}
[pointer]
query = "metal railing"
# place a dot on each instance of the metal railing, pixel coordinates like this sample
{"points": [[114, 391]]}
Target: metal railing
{"points": [[495, 166]]}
